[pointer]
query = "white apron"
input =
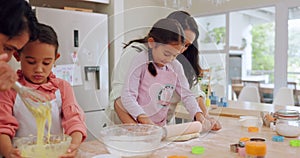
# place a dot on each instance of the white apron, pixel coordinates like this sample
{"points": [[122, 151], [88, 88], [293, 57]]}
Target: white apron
{"points": [[27, 123], [155, 94]]}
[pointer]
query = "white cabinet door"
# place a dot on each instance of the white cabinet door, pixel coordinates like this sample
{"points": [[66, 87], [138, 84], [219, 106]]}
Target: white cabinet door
{"points": [[95, 121]]}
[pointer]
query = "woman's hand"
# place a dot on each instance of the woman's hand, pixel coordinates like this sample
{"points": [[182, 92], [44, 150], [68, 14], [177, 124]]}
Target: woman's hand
{"points": [[7, 75]]}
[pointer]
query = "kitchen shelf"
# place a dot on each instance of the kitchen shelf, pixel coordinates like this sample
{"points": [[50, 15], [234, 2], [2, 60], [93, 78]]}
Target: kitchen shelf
{"points": [[98, 1]]}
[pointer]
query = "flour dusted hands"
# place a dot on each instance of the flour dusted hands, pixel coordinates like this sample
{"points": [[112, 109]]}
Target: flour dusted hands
{"points": [[144, 119], [206, 123], [216, 125]]}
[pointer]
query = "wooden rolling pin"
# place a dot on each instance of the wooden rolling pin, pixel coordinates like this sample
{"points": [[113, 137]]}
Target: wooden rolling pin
{"points": [[187, 129]]}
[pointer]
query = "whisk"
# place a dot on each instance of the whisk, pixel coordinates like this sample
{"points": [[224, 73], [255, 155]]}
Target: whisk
{"points": [[36, 102]]}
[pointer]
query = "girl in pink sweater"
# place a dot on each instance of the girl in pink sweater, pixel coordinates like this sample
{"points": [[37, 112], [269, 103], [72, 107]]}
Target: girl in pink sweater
{"points": [[155, 75]]}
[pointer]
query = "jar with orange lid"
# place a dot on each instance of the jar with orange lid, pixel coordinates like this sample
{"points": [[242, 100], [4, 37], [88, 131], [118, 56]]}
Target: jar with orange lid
{"points": [[256, 149]]}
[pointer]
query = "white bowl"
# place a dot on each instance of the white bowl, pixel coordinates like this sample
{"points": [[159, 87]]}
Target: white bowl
{"points": [[131, 140], [250, 121], [106, 156]]}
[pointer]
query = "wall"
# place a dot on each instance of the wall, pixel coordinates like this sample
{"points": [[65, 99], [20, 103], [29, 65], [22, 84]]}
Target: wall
{"points": [[96, 7], [132, 19], [145, 12], [205, 7], [140, 15]]}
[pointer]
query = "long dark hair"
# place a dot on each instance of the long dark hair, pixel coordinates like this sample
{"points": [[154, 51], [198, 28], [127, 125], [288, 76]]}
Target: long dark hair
{"points": [[164, 31], [191, 53], [17, 16]]}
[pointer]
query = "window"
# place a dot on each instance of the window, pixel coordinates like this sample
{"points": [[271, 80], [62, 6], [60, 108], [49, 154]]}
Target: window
{"points": [[293, 45], [251, 45], [257, 38], [252, 34], [211, 45], [212, 32]]}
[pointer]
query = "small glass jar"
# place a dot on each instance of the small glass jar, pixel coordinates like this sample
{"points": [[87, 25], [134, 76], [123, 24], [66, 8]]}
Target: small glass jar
{"points": [[288, 123]]}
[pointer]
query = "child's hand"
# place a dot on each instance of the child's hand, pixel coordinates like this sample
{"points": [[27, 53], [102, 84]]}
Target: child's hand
{"points": [[144, 119], [216, 125], [71, 152], [206, 124], [14, 153]]}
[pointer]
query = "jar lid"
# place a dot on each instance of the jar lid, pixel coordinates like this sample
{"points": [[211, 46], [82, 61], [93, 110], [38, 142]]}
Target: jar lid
{"points": [[287, 113], [295, 143], [198, 150], [244, 139], [256, 148]]}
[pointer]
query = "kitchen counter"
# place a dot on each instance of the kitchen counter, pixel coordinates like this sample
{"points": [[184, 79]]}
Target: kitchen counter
{"points": [[216, 144], [237, 109]]}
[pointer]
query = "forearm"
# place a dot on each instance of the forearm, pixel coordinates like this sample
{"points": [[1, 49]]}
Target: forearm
{"points": [[131, 106], [76, 138], [199, 116], [202, 105], [131, 92], [208, 123], [5, 145], [123, 115], [71, 152], [144, 119], [7, 76]]}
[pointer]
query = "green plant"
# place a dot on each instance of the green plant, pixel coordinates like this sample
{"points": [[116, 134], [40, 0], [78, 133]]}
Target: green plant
{"points": [[207, 38], [263, 47], [216, 35]]}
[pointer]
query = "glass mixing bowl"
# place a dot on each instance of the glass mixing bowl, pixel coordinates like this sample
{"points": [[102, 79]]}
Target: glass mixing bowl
{"points": [[126, 140], [57, 145]]}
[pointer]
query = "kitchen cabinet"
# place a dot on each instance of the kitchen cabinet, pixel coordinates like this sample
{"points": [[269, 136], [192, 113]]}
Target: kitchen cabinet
{"points": [[98, 1]]}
